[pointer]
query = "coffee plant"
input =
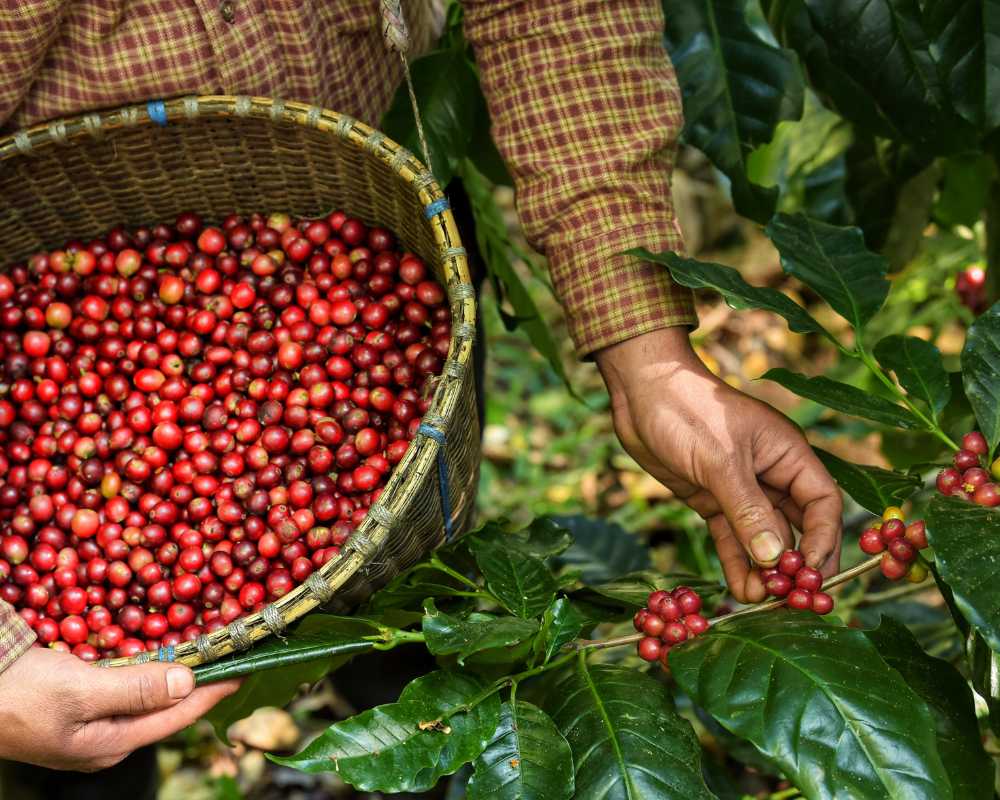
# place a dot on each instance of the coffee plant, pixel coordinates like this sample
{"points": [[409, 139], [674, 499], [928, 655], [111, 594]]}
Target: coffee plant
{"points": [[861, 135]]}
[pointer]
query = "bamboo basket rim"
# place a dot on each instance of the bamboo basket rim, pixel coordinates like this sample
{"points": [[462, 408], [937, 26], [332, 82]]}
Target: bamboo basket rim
{"points": [[382, 519]]}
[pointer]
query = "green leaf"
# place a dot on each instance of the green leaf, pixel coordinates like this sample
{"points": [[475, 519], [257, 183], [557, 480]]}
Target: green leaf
{"points": [[844, 397], [919, 369], [543, 537], [981, 372], [561, 623], [527, 759], [470, 633], [834, 262], [447, 91], [408, 745], [412, 587], [964, 189], [817, 699], [947, 695], [628, 742], [872, 488], [601, 549], [522, 583], [632, 590], [738, 293], [966, 542], [495, 247], [736, 88], [966, 35], [275, 669], [875, 61]]}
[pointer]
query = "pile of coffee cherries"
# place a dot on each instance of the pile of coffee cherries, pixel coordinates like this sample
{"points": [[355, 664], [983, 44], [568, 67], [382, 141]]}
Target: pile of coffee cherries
{"points": [[899, 543], [193, 419], [798, 584], [669, 618], [967, 479]]}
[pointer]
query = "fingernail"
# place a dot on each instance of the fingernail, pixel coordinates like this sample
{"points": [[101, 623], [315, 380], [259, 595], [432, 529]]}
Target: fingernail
{"points": [[180, 683], [766, 547]]}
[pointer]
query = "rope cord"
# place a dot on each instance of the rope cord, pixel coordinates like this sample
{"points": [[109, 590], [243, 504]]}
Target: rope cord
{"points": [[397, 38]]}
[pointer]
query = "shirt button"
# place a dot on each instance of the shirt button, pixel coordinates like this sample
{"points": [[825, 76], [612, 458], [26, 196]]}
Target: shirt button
{"points": [[227, 8]]}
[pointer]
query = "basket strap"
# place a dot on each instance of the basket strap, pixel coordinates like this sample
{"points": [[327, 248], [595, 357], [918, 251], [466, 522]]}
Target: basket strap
{"points": [[438, 436], [397, 39]]}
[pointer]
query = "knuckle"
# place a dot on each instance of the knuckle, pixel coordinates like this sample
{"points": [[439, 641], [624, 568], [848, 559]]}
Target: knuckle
{"points": [[141, 694], [749, 514]]}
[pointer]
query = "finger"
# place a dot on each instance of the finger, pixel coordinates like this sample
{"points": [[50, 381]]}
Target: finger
{"points": [[135, 732], [750, 514], [141, 689], [743, 584], [819, 498]]}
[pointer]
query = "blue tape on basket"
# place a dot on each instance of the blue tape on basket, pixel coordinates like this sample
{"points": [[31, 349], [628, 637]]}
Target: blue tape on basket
{"points": [[436, 207], [166, 653], [157, 111], [438, 436]]}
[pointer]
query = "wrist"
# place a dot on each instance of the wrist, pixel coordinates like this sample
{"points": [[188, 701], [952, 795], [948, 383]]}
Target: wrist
{"points": [[644, 358]]}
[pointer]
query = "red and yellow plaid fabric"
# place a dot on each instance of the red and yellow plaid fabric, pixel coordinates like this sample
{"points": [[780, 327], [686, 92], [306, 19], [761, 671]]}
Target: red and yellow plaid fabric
{"points": [[15, 636], [583, 99]]}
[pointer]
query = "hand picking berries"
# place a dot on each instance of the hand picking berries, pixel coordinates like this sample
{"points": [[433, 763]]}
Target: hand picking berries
{"points": [[193, 419]]}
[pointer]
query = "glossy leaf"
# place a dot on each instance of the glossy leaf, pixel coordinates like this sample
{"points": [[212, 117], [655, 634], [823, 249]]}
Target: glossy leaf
{"points": [[737, 292], [875, 61], [919, 369], [496, 247], [447, 88], [561, 623], [966, 542], [834, 262], [844, 397], [628, 742], [408, 745], [736, 88], [947, 695], [633, 589], [470, 633], [600, 549], [872, 488], [527, 759], [522, 583], [543, 537], [981, 372], [818, 700], [966, 34]]}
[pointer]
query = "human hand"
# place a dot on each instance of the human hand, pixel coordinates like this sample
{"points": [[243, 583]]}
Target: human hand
{"points": [[57, 711], [741, 465]]}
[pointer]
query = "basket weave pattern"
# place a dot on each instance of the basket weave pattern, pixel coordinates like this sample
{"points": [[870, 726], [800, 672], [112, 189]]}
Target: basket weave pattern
{"points": [[78, 177]]}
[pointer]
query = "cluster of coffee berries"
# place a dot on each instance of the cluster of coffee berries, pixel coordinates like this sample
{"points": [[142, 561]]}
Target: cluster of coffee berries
{"points": [[967, 479], [970, 286], [899, 544], [798, 584], [669, 618], [193, 419]]}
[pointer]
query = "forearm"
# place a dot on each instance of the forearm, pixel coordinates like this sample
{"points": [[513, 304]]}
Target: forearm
{"points": [[586, 111]]}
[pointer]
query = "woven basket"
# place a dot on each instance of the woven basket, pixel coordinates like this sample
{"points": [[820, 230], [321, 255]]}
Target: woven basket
{"points": [[76, 178]]}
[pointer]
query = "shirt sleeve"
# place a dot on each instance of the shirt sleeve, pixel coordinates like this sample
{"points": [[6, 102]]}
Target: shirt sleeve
{"points": [[27, 30], [586, 112], [15, 635]]}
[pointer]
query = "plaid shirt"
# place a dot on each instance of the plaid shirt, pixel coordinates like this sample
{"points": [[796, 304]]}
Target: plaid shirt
{"points": [[583, 100]]}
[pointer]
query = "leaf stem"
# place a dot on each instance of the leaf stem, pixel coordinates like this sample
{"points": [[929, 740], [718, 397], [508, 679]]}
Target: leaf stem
{"points": [[785, 794], [511, 680], [770, 605], [878, 372], [439, 565]]}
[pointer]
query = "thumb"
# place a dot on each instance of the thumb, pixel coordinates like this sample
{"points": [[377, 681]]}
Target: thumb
{"points": [[751, 517], [131, 691]]}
